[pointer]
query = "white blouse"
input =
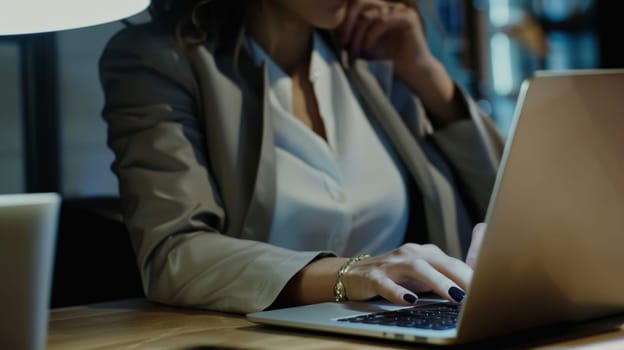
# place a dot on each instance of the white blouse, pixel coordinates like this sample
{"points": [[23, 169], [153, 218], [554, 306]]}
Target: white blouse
{"points": [[347, 194]]}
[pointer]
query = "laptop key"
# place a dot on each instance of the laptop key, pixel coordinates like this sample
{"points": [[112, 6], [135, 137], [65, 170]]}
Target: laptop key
{"points": [[434, 316]]}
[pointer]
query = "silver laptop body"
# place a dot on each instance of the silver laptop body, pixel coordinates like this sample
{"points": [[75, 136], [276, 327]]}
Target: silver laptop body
{"points": [[554, 246], [28, 224]]}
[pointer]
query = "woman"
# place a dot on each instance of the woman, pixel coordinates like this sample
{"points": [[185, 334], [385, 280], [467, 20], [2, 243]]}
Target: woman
{"points": [[262, 147]]}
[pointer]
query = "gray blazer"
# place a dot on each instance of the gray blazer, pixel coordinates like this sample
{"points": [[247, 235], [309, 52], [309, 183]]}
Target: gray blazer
{"points": [[196, 165]]}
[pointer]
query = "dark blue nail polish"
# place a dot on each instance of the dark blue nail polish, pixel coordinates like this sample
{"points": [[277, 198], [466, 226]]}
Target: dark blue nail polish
{"points": [[457, 294], [410, 298]]}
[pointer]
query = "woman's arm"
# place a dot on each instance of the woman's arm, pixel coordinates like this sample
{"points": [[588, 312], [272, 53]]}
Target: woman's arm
{"points": [[393, 30], [468, 139]]}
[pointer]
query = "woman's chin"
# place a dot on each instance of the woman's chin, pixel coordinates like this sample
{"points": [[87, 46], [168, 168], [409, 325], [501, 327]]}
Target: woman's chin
{"points": [[332, 22]]}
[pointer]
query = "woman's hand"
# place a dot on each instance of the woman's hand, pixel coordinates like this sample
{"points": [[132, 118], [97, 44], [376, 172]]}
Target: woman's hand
{"points": [[391, 30], [478, 232], [386, 30], [413, 268], [399, 274]]}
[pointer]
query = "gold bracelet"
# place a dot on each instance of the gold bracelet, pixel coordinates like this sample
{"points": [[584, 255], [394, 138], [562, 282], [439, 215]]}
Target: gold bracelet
{"points": [[339, 289]]}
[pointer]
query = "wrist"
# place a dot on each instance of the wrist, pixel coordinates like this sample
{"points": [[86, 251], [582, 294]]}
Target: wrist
{"points": [[340, 292], [437, 91], [314, 283], [420, 74]]}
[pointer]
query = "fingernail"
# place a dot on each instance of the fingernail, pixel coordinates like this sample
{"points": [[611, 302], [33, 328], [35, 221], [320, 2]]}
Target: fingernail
{"points": [[410, 298], [457, 294]]}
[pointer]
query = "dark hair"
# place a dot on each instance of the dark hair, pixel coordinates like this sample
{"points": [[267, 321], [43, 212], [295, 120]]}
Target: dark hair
{"points": [[193, 21]]}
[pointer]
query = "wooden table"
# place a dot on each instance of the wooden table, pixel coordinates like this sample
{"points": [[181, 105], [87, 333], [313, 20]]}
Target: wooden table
{"points": [[139, 324]]}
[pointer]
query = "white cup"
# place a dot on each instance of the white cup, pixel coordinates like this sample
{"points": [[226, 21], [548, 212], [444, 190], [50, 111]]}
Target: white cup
{"points": [[28, 224]]}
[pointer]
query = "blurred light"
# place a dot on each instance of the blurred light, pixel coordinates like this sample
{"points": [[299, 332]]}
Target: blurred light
{"points": [[502, 73], [35, 16], [500, 12], [572, 50], [561, 51]]}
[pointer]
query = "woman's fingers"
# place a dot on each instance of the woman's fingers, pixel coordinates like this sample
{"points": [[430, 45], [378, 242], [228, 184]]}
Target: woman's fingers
{"points": [[367, 23], [388, 20], [359, 37], [394, 293], [389, 274], [376, 30], [441, 284], [475, 245], [353, 15], [455, 269]]}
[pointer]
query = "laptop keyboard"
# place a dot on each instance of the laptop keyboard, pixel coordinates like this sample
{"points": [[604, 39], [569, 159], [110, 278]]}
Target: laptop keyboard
{"points": [[433, 316]]}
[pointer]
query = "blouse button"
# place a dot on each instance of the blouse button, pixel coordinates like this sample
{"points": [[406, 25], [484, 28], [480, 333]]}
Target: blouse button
{"points": [[314, 77], [335, 192], [339, 196]]}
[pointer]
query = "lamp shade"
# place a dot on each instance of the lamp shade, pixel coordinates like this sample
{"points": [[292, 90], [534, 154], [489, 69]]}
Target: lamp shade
{"points": [[36, 16]]}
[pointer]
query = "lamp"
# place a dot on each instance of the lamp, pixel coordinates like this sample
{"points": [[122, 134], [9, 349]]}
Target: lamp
{"points": [[37, 16], [39, 72]]}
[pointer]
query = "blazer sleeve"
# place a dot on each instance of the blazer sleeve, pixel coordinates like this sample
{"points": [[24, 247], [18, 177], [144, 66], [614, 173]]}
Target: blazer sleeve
{"points": [[472, 145], [171, 204]]}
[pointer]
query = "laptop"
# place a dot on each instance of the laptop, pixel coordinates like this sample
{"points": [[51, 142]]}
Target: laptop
{"points": [[553, 248], [28, 224]]}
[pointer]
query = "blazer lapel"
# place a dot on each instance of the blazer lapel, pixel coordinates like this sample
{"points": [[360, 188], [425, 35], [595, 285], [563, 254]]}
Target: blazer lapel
{"points": [[258, 215], [239, 137]]}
